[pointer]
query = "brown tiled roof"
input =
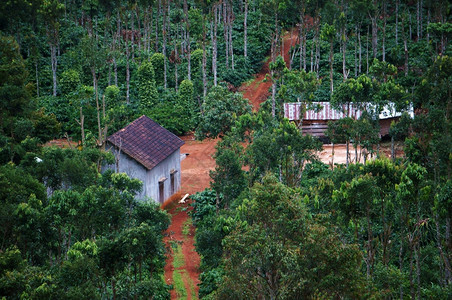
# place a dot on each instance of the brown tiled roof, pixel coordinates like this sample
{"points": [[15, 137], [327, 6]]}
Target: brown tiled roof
{"points": [[146, 141]]}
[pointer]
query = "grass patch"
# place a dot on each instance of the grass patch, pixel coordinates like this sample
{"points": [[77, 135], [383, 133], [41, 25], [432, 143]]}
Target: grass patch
{"points": [[179, 284], [178, 257], [186, 227], [178, 277]]}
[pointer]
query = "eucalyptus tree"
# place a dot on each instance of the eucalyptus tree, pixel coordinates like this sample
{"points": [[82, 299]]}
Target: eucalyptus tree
{"points": [[51, 12], [277, 68], [276, 249], [329, 34]]}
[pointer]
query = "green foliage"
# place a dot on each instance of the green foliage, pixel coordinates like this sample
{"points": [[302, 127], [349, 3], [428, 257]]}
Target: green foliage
{"points": [[219, 111], [285, 247], [157, 61], [281, 150], [147, 90], [228, 176], [69, 81]]}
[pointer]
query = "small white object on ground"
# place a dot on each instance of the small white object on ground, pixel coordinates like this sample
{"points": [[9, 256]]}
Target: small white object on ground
{"points": [[183, 198]]}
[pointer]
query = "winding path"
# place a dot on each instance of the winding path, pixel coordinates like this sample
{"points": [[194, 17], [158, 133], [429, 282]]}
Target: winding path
{"points": [[195, 178]]}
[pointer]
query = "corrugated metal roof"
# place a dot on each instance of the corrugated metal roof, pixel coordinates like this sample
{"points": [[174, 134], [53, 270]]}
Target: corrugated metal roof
{"points": [[293, 111]]}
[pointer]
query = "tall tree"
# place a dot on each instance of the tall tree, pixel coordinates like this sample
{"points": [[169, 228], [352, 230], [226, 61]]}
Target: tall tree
{"points": [[51, 11]]}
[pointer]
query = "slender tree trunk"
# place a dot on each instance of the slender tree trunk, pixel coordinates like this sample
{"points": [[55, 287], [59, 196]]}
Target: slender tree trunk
{"points": [[312, 54], [204, 63], [418, 271], [412, 290], [393, 155], [158, 13], [37, 78], [225, 31], [137, 14], [245, 29], [360, 50], [447, 278], [176, 62], [383, 39], [82, 124], [374, 36], [331, 67], [187, 28], [344, 49], [397, 22], [213, 28], [418, 20], [231, 47], [273, 95], [367, 52], [405, 47], [132, 38], [54, 61], [127, 65], [332, 157], [347, 156], [401, 267], [317, 47], [164, 33]]}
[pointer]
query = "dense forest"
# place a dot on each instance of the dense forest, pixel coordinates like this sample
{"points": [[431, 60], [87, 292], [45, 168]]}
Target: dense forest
{"points": [[276, 222]]}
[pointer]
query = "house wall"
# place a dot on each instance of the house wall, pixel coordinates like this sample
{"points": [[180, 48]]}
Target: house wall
{"points": [[163, 170], [150, 178]]}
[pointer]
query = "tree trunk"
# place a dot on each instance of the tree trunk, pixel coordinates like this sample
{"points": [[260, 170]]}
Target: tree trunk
{"points": [[418, 271], [413, 293], [331, 67], [165, 13], [204, 62], [393, 155], [405, 47], [231, 47], [347, 146], [332, 157], [367, 52], [418, 20], [176, 62], [132, 38], [54, 62], [213, 28], [82, 125], [273, 94], [344, 49], [37, 78], [127, 71], [397, 22], [374, 36], [187, 28], [401, 267], [360, 50], [245, 29], [383, 46], [317, 46], [225, 31]]}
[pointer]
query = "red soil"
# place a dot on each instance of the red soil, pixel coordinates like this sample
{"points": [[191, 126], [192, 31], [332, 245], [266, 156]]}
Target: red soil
{"points": [[191, 257], [195, 178], [258, 91]]}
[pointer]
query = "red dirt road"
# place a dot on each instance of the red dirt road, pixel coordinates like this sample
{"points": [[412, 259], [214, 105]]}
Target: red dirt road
{"points": [[195, 178], [258, 91]]}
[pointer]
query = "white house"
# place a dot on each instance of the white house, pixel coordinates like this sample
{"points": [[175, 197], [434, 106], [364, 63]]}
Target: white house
{"points": [[147, 151]]}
